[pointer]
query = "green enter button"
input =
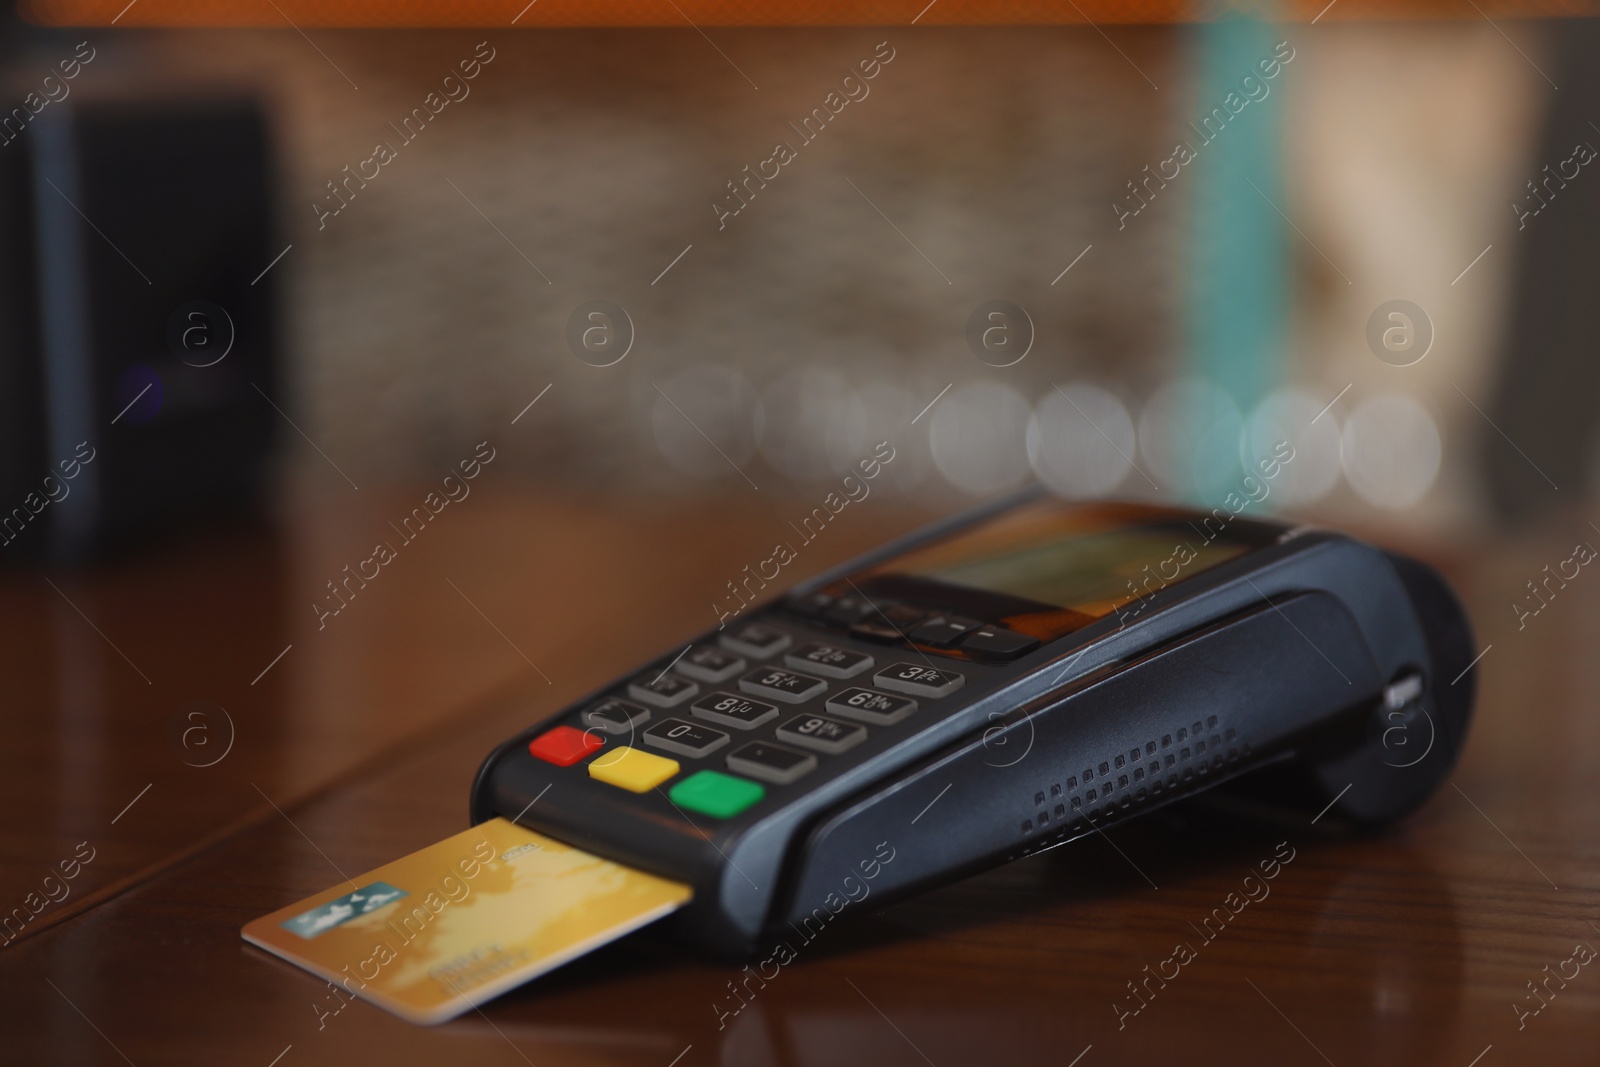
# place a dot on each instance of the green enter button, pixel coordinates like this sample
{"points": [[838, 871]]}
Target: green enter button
{"points": [[721, 796]]}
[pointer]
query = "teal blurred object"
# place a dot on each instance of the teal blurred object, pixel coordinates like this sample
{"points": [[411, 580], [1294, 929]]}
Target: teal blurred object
{"points": [[1237, 300]]}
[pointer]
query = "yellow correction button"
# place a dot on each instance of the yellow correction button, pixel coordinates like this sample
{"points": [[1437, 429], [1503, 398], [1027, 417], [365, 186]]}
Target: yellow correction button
{"points": [[633, 770]]}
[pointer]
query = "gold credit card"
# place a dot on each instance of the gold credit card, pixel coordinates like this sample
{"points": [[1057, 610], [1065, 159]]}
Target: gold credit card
{"points": [[435, 933]]}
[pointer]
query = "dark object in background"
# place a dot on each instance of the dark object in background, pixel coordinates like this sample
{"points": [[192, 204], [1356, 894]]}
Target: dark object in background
{"points": [[1549, 388], [135, 322]]}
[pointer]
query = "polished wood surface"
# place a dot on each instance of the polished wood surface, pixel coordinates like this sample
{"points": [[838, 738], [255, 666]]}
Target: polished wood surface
{"points": [[1415, 946]]}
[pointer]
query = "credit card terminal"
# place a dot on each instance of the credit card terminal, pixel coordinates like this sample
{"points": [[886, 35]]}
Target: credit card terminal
{"points": [[993, 686]]}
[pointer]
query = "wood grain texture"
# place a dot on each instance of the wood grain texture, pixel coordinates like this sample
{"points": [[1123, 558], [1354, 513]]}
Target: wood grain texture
{"points": [[1404, 948], [102, 668]]}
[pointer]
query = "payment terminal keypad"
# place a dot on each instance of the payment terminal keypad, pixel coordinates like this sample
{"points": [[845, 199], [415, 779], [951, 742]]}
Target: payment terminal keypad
{"points": [[944, 631], [730, 709], [822, 734], [874, 709], [829, 661], [664, 689], [914, 679], [771, 763], [684, 738], [756, 641], [710, 664], [616, 716], [791, 687], [762, 706]]}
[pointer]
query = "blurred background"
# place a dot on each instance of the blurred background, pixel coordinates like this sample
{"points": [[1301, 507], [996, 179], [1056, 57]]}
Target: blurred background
{"points": [[578, 306], [1164, 322]]}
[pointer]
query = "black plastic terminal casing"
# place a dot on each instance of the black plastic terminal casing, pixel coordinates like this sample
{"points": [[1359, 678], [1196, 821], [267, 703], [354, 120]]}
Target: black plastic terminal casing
{"points": [[1315, 672]]}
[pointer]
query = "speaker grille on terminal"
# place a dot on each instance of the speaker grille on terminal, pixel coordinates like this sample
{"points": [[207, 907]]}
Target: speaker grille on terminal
{"points": [[1118, 783]]}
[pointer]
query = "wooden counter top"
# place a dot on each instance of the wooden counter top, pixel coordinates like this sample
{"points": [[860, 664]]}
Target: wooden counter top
{"points": [[1411, 947]]}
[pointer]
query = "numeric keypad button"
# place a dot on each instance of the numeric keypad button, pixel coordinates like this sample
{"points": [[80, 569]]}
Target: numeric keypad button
{"points": [[822, 734], [684, 738], [789, 687], [709, 664], [771, 763], [664, 690], [730, 709], [874, 709], [829, 661], [917, 680], [758, 641], [616, 717]]}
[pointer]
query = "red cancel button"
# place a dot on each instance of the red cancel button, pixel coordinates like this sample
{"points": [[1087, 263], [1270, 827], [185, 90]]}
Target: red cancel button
{"points": [[564, 745]]}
